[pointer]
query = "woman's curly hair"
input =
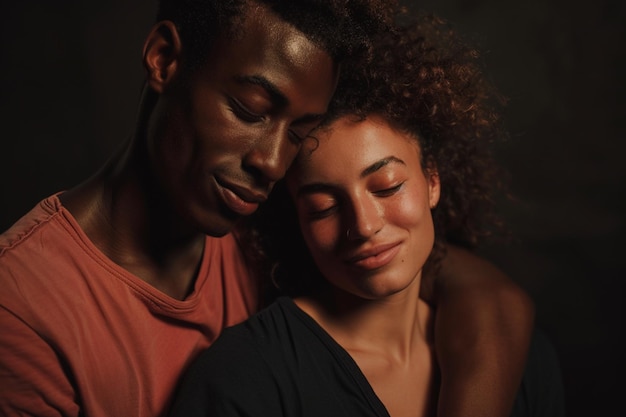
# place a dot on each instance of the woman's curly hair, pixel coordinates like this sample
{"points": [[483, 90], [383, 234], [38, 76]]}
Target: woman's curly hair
{"points": [[424, 80]]}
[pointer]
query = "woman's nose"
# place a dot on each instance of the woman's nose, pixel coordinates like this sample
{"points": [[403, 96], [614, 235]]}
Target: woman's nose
{"points": [[367, 219]]}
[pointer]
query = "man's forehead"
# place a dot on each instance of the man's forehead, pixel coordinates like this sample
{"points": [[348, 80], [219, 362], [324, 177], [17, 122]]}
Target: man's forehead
{"points": [[261, 19]]}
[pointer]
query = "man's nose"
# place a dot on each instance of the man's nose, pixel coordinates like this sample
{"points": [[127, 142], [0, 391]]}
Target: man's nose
{"points": [[271, 155]]}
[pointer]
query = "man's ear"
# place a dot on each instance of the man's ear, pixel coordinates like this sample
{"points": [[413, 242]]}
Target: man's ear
{"points": [[434, 184], [161, 55]]}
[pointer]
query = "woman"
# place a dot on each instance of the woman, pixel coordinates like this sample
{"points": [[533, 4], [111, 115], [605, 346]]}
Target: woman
{"points": [[400, 166]]}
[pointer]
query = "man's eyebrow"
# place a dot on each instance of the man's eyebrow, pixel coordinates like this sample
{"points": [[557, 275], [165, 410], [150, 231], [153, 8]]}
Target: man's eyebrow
{"points": [[320, 187], [379, 164], [276, 95]]}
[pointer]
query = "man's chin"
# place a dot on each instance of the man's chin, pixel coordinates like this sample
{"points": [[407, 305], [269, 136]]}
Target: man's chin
{"points": [[220, 224]]}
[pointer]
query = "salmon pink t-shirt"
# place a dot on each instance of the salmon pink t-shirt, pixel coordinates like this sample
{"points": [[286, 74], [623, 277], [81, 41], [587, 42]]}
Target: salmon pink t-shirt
{"points": [[79, 335]]}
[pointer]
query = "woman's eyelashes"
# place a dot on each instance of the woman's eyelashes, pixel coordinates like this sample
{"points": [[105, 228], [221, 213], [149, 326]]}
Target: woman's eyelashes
{"points": [[389, 191], [319, 207]]}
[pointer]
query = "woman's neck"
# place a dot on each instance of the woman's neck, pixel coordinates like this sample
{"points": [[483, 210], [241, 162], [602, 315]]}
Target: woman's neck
{"points": [[391, 326], [391, 340]]}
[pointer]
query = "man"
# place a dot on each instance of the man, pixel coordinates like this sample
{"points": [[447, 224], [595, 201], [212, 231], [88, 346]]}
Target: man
{"points": [[111, 288]]}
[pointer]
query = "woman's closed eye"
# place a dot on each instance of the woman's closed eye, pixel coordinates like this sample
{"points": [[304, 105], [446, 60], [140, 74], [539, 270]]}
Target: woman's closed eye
{"points": [[320, 214], [318, 206], [387, 192]]}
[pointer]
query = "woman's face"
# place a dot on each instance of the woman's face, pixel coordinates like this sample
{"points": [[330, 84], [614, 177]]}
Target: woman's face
{"points": [[363, 203]]}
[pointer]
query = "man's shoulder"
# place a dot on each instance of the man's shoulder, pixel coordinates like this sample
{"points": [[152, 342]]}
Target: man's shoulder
{"points": [[29, 224], [38, 254]]}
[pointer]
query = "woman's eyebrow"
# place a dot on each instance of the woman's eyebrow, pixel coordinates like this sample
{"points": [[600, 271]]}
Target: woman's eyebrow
{"points": [[379, 164]]}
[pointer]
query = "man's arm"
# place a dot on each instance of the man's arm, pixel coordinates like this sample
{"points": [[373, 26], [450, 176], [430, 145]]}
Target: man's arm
{"points": [[483, 327]]}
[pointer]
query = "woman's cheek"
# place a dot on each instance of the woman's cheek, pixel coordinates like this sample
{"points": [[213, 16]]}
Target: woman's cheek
{"points": [[402, 211], [321, 235]]}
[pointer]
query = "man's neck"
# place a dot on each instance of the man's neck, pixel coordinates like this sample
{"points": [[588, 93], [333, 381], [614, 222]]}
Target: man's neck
{"points": [[120, 214]]}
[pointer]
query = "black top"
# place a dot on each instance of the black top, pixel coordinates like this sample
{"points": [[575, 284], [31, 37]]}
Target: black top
{"points": [[280, 362]]}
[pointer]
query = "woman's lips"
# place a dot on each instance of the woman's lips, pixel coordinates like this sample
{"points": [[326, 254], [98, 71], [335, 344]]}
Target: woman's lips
{"points": [[375, 258]]}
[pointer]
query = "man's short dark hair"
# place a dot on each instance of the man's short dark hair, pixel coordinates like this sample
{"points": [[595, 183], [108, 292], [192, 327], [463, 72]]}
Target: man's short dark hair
{"points": [[340, 27]]}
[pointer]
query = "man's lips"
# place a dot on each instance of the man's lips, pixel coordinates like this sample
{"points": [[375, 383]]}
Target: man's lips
{"points": [[375, 257], [240, 199]]}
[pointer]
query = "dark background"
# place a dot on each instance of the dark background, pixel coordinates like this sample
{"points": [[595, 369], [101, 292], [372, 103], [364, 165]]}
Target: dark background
{"points": [[71, 74]]}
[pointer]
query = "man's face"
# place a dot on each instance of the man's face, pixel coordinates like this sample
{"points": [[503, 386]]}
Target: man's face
{"points": [[221, 135]]}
